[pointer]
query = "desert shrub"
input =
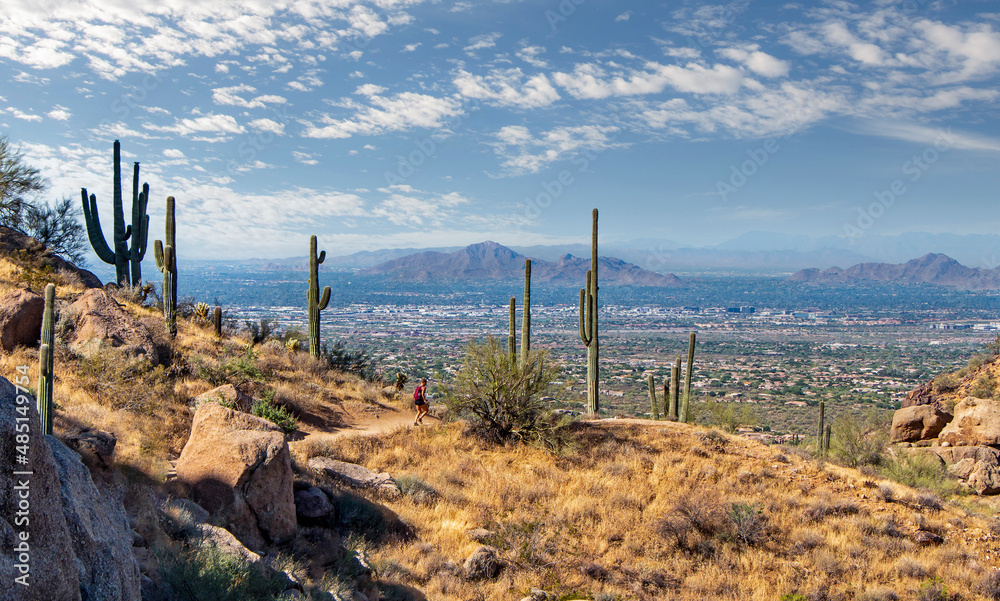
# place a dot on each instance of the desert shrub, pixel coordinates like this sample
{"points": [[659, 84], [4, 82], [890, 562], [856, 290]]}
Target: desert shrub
{"points": [[357, 362], [910, 567], [930, 500], [136, 294], [945, 383], [824, 508], [730, 416], [919, 470], [199, 572], [502, 397], [748, 522], [695, 517], [237, 371], [980, 360], [932, 589], [415, 488], [879, 593], [984, 386], [119, 381], [989, 586], [861, 441], [793, 597], [281, 416], [260, 331]]}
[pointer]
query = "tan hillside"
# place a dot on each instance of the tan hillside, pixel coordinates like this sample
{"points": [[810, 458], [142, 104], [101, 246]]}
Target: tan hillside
{"points": [[632, 509]]}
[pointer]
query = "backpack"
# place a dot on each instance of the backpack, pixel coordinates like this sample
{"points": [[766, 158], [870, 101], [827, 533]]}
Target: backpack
{"points": [[418, 396]]}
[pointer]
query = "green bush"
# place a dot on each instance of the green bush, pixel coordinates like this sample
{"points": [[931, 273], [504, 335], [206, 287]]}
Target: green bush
{"points": [[861, 441], [278, 414], [918, 470], [199, 572], [357, 362], [749, 523], [237, 371], [945, 383], [984, 386], [730, 416], [501, 398], [415, 488]]}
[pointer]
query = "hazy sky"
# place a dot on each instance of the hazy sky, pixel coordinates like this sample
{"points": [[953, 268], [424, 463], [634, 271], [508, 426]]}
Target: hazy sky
{"points": [[395, 123]]}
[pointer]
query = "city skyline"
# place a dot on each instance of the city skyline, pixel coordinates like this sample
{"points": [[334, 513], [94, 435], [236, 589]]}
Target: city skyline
{"points": [[391, 124]]}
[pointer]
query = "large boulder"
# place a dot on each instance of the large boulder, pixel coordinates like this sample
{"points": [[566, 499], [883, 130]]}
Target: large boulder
{"points": [[237, 466], [919, 422], [98, 321], [356, 476], [31, 517], [20, 319], [73, 536], [976, 422], [952, 455], [228, 395], [12, 241], [921, 395], [99, 529]]}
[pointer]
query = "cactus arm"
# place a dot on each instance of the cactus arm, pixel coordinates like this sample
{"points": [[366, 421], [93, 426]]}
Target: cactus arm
{"points": [[323, 302], [94, 232], [158, 254], [321, 257], [583, 311]]}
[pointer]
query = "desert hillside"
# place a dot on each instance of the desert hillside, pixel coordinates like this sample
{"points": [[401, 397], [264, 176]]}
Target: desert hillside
{"points": [[349, 500]]}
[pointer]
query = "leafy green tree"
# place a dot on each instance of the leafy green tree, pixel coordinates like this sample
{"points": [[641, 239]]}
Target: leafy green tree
{"points": [[502, 397], [19, 185]]}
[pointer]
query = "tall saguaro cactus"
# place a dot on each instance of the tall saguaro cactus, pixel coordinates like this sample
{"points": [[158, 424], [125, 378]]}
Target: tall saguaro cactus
{"points": [[45, 362], [588, 325], [316, 304], [123, 256], [686, 411], [675, 385], [820, 430], [526, 315], [166, 262], [511, 335], [651, 381], [217, 320]]}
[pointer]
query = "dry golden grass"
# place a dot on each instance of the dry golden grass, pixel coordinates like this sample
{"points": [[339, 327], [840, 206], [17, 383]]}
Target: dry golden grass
{"points": [[641, 512]]}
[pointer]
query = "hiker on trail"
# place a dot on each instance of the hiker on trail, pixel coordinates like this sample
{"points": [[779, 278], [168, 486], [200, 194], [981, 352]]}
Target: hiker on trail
{"points": [[420, 400]]}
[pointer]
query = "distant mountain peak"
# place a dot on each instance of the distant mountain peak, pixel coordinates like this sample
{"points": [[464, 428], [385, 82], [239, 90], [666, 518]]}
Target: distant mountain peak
{"points": [[491, 261], [932, 268]]}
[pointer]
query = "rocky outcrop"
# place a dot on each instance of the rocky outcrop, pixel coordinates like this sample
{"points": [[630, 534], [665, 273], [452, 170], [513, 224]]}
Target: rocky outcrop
{"points": [[921, 395], [228, 395], [99, 529], [12, 241], [20, 319], [98, 321], [312, 505], [238, 467], [483, 563], [919, 422], [66, 537], [976, 422], [355, 476]]}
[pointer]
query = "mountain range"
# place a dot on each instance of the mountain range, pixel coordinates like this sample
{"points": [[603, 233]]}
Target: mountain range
{"points": [[932, 268], [492, 261]]}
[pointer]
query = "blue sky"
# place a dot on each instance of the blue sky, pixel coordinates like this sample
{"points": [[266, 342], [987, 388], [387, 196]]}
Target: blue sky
{"points": [[404, 123]]}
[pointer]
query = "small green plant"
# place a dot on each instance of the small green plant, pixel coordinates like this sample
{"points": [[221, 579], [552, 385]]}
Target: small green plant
{"points": [[237, 371], [749, 523], [984, 386], [794, 597], [933, 589], [198, 572], [861, 441], [201, 312], [281, 416], [357, 362], [920, 471], [261, 330], [415, 488], [945, 383]]}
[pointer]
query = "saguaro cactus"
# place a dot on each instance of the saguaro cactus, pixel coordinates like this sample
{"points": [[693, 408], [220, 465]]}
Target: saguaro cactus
{"points": [[687, 380], [166, 262], [675, 385], [511, 337], [652, 395], [217, 320], [821, 429], [122, 255], [588, 325], [45, 361], [316, 304], [826, 440], [526, 314]]}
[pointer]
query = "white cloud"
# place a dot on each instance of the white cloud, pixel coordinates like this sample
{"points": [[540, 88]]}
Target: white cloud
{"points": [[305, 158], [507, 88], [231, 96], [625, 16], [411, 47], [268, 125], [210, 123], [18, 114], [530, 55], [397, 113], [524, 153], [59, 113], [407, 206], [173, 153], [482, 42], [759, 62], [590, 80], [369, 89]]}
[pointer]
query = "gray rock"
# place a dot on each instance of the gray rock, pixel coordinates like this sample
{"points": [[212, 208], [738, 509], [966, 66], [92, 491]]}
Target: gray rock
{"points": [[99, 528], [224, 541], [925, 538], [20, 319], [312, 504], [227, 395], [976, 423], [918, 422], [480, 535], [483, 563], [355, 476], [985, 478], [98, 321]]}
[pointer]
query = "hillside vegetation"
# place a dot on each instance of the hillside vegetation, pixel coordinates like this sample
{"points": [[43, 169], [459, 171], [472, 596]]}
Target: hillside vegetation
{"points": [[630, 509]]}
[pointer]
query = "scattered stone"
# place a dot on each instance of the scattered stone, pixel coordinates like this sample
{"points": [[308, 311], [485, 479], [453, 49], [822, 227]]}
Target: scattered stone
{"points": [[918, 422], [98, 321], [237, 466], [96, 448], [538, 594], [985, 478], [484, 563], [224, 541], [976, 423], [312, 504], [480, 535], [925, 538], [921, 395], [21, 319], [356, 476], [226, 395]]}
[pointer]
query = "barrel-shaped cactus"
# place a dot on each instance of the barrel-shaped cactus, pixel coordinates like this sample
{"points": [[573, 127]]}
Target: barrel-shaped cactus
{"points": [[316, 303], [45, 361], [166, 262], [588, 325], [123, 256]]}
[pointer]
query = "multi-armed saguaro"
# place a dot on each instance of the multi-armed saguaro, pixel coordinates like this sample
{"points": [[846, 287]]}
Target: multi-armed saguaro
{"points": [[122, 256], [166, 262], [526, 315], [588, 325], [316, 304], [45, 361]]}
